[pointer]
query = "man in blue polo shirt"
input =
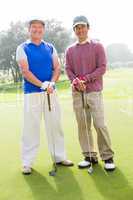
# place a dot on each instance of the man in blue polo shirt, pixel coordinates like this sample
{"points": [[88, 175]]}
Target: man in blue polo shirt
{"points": [[39, 63]]}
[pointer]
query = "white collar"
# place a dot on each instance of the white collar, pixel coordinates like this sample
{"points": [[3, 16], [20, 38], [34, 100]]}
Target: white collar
{"points": [[83, 42]]}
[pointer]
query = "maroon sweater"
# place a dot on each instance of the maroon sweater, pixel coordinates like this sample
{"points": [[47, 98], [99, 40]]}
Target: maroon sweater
{"points": [[87, 60]]}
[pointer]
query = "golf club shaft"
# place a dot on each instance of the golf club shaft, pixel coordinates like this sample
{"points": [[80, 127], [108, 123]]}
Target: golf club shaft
{"points": [[52, 135], [49, 103], [85, 119]]}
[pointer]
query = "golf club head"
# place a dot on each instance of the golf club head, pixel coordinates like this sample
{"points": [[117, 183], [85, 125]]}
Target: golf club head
{"points": [[52, 173], [90, 170]]}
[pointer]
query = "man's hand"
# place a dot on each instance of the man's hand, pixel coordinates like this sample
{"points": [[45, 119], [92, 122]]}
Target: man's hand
{"points": [[79, 84], [45, 85], [51, 87], [48, 86]]}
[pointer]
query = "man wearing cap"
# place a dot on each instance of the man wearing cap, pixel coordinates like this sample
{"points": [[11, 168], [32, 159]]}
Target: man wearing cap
{"points": [[39, 63], [85, 66]]}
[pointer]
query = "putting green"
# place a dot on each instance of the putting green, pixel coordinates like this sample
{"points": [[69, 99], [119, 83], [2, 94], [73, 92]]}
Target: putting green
{"points": [[70, 183]]}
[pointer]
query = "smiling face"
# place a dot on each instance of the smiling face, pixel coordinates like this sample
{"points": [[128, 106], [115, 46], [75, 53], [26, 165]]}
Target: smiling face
{"points": [[81, 31], [36, 30]]}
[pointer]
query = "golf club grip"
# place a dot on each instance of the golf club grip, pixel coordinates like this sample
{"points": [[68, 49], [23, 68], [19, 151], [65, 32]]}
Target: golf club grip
{"points": [[49, 103]]}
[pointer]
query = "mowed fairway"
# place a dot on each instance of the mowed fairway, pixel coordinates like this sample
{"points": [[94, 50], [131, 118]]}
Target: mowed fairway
{"points": [[70, 183]]}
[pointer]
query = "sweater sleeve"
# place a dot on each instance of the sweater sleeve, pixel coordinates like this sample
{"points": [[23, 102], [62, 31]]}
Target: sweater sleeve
{"points": [[69, 66], [100, 64]]}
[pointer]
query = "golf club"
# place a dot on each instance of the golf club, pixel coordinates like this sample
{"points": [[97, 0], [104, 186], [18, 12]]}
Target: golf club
{"points": [[90, 169], [54, 170]]}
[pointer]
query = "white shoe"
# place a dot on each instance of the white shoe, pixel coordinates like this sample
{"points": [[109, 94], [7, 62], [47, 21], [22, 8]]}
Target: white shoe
{"points": [[67, 163], [84, 164], [109, 165], [26, 170]]}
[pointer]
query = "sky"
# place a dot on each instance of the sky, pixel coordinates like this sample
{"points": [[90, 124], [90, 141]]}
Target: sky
{"points": [[110, 20]]}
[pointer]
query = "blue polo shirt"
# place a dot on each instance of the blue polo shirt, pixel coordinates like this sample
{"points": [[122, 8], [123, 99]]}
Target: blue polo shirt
{"points": [[40, 61]]}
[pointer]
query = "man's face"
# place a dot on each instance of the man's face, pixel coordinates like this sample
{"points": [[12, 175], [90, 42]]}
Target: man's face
{"points": [[36, 30], [81, 31]]}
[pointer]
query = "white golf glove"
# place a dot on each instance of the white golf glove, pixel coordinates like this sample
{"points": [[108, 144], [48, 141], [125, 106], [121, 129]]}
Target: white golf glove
{"points": [[52, 84], [47, 84], [44, 85]]}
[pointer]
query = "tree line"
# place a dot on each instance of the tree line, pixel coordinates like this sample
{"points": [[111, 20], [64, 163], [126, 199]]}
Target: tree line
{"points": [[55, 33]]}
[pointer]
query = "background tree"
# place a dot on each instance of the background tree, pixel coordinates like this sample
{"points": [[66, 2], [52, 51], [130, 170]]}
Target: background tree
{"points": [[59, 36], [118, 52], [9, 41], [55, 33]]}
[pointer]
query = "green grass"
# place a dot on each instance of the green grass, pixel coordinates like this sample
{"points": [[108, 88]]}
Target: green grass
{"points": [[70, 183]]}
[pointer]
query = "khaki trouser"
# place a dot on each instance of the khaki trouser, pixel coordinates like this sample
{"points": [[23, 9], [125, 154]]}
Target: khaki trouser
{"points": [[93, 110]]}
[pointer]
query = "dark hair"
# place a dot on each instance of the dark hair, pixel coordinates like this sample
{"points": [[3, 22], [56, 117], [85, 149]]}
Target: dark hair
{"points": [[88, 26]]}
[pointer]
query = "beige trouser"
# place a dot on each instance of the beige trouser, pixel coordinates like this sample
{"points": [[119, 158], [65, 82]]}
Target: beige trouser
{"points": [[93, 110], [36, 105]]}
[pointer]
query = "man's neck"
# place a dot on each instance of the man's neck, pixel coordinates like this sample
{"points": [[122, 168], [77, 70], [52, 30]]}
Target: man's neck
{"points": [[36, 41], [84, 40]]}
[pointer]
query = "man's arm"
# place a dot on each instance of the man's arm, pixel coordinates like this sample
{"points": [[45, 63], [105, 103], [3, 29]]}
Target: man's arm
{"points": [[56, 72], [100, 63], [68, 66], [21, 59], [56, 66], [27, 74], [77, 83]]}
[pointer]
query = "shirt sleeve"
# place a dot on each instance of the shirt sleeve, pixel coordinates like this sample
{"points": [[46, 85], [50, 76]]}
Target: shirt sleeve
{"points": [[20, 54], [54, 54], [54, 51]]}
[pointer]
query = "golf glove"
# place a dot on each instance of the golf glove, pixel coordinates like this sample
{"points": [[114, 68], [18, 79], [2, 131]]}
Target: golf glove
{"points": [[52, 84], [44, 85], [47, 84]]}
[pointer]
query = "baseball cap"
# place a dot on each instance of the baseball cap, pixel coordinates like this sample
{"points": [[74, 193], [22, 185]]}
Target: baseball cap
{"points": [[80, 20], [36, 19]]}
